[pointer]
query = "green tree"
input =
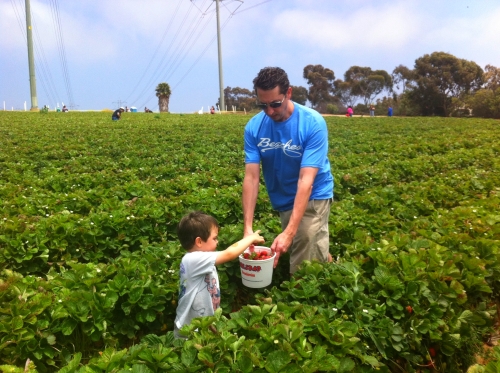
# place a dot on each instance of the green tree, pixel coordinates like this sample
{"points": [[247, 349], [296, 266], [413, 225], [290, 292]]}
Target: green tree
{"points": [[299, 94], [402, 75], [343, 93], [440, 80], [491, 77], [367, 83], [320, 81], [241, 98], [485, 103], [163, 93]]}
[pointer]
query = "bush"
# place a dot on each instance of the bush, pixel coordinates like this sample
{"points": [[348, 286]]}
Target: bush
{"points": [[485, 103], [332, 109]]}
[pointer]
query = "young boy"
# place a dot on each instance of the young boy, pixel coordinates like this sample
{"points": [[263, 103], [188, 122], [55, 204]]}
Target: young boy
{"points": [[199, 290]]}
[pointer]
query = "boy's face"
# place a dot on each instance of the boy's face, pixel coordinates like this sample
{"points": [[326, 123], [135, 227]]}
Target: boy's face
{"points": [[212, 242]]}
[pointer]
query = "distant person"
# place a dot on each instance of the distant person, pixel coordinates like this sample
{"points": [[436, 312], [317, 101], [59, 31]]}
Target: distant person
{"points": [[146, 110], [199, 289], [212, 110], [372, 110], [350, 112], [64, 109], [127, 109], [117, 114], [389, 111]]}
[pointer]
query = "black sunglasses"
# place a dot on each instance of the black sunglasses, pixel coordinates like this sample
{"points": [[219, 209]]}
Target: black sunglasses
{"points": [[274, 105]]}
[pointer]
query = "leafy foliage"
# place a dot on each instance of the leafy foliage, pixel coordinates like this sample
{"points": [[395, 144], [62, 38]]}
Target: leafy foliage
{"points": [[89, 255], [320, 81], [366, 83], [241, 98]]}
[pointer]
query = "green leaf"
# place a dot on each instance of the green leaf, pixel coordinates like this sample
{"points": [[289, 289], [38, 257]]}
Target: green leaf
{"points": [[276, 361], [346, 365], [147, 355], [73, 364], [377, 342], [372, 361], [17, 323], [349, 328], [68, 326], [318, 353], [205, 355], [146, 316], [51, 339], [135, 294], [127, 308], [188, 355], [140, 368], [245, 364], [466, 317]]}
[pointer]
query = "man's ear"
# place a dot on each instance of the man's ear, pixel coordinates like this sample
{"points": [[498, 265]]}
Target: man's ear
{"points": [[198, 241]]}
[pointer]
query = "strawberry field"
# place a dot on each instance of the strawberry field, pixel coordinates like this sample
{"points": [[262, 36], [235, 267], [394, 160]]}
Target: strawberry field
{"points": [[89, 255]]}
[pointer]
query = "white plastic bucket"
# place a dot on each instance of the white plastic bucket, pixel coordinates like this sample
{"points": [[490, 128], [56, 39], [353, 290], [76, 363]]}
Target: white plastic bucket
{"points": [[257, 273]]}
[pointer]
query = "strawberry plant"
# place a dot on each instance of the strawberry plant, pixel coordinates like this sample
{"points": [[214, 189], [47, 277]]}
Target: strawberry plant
{"points": [[89, 255]]}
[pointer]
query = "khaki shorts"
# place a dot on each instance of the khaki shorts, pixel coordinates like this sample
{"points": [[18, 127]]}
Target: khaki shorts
{"points": [[312, 241]]}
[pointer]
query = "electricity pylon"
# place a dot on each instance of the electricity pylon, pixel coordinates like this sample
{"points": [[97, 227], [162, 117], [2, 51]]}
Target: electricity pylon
{"points": [[31, 61]]}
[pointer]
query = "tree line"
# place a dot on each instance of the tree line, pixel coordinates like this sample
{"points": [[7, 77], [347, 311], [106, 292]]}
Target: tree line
{"points": [[439, 84]]}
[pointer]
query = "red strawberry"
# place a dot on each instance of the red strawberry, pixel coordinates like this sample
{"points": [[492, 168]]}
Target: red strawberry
{"points": [[409, 309], [432, 351], [246, 255]]}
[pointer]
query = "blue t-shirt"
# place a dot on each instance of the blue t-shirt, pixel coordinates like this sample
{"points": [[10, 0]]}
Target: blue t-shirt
{"points": [[284, 148]]}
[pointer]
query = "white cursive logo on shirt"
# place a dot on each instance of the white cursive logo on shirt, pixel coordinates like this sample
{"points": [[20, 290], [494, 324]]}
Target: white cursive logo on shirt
{"points": [[289, 149]]}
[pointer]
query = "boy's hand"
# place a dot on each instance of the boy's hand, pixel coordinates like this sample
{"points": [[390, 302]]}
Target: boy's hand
{"points": [[257, 238]]}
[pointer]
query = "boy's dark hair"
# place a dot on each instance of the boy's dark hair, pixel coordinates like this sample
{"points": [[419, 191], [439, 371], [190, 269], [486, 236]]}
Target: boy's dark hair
{"points": [[195, 224], [270, 77]]}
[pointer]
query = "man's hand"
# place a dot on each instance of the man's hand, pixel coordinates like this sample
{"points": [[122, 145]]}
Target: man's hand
{"points": [[281, 245]]}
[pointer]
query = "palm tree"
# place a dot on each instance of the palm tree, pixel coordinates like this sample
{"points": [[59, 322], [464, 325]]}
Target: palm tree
{"points": [[163, 93]]}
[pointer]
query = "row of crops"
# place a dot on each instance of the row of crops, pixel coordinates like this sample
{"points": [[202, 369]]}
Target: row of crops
{"points": [[89, 256]]}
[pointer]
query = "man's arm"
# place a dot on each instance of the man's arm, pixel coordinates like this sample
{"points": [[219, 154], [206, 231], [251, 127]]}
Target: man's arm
{"points": [[284, 240], [250, 194]]}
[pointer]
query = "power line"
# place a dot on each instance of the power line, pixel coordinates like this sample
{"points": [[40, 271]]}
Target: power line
{"points": [[157, 49], [162, 60], [119, 102], [205, 12], [62, 51], [41, 63], [253, 6], [207, 47]]}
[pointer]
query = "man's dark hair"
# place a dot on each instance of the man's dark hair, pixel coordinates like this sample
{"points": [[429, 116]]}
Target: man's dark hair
{"points": [[195, 224], [270, 77]]}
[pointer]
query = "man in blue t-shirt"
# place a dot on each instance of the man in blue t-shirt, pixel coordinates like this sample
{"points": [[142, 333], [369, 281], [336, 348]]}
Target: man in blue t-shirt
{"points": [[291, 143]]}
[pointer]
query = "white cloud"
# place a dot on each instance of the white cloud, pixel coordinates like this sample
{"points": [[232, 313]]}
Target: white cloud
{"points": [[109, 44], [365, 28]]}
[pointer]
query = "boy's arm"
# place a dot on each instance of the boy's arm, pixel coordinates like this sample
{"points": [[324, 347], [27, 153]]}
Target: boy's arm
{"points": [[239, 247]]}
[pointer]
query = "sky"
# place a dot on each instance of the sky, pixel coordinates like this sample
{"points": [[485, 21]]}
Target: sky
{"points": [[97, 54]]}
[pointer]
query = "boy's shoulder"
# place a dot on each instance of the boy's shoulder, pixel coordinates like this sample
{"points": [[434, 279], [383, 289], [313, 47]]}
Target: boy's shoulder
{"points": [[199, 255]]}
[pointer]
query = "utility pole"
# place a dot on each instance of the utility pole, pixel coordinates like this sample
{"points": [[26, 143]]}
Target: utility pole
{"points": [[31, 61], [119, 102], [219, 47], [222, 104]]}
